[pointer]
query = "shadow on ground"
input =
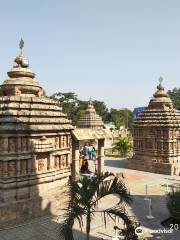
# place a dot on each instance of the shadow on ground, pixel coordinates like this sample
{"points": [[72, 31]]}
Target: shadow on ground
{"points": [[140, 208], [43, 228], [116, 163]]}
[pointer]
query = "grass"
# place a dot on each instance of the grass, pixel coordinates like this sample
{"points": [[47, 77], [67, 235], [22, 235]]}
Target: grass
{"points": [[111, 153]]}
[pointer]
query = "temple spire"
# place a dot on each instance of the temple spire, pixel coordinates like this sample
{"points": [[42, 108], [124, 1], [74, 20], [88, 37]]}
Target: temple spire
{"points": [[21, 60], [160, 86], [160, 98], [90, 103]]}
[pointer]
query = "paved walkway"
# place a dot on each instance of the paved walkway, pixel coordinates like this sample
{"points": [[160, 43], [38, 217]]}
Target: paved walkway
{"points": [[156, 189], [45, 228]]}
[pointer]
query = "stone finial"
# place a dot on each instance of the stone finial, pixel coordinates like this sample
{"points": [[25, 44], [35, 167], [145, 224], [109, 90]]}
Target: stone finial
{"points": [[160, 87], [90, 103], [21, 45], [90, 106], [21, 60], [160, 80]]}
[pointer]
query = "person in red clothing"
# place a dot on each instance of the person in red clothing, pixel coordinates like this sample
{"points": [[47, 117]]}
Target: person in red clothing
{"points": [[84, 167]]}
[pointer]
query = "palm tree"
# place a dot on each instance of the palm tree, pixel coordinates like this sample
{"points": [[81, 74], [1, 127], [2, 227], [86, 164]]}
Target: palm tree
{"points": [[84, 196], [124, 145]]}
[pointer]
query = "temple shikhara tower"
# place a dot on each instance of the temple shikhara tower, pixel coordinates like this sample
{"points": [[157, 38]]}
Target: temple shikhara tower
{"points": [[35, 146], [90, 119], [156, 135]]}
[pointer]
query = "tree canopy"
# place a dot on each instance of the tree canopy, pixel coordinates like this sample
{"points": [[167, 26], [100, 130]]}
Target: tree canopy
{"points": [[124, 145], [175, 97], [75, 107]]}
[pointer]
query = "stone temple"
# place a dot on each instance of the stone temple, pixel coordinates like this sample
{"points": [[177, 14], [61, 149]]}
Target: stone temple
{"points": [[156, 135], [35, 147], [89, 128]]}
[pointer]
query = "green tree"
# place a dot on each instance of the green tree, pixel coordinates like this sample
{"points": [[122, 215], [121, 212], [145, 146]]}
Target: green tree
{"points": [[69, 102], [84, 196], [75, 107], [1, 94], [121, 117], [173, 205], [175, 97], [101, 109], [124, 145]]}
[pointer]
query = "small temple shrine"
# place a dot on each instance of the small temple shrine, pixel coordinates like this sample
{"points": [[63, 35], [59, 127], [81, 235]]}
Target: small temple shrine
{"points": [[156, 134], [35, 147], [89, 128]]}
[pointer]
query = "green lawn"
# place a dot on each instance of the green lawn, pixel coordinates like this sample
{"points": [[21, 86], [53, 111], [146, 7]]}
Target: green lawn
{"points": [[111, 153]]}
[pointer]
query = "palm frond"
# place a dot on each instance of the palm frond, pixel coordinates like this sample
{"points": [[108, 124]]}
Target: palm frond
{"points": [[84, 196], [113, 185], [74, 211], [120, 212]]}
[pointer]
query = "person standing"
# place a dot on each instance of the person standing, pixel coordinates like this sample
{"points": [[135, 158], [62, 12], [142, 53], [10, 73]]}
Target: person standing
{"points": [[94, 153], [85, 150], [90, 152]]}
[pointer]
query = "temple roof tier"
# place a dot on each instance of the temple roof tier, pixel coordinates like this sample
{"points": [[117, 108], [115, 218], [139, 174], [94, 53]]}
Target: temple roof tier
{"points": [[160, 111], [90, 119]]}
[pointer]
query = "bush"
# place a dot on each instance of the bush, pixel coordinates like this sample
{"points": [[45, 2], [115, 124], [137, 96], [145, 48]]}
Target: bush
{"points": [[173, 205]]}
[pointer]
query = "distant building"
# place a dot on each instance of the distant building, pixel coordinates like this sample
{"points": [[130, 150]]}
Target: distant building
{"points": [[137, 111], [110, 126]]}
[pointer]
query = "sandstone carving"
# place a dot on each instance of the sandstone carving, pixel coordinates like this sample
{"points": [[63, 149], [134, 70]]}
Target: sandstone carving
{"points": [[11, 168]]}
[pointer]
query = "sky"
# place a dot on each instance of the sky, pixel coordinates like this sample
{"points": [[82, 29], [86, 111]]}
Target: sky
{"points": [[110, 50]]}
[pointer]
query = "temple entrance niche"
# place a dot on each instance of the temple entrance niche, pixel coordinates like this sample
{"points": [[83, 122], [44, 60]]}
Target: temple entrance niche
{"points": [[42, 162], [81, 139], [61, 161]]}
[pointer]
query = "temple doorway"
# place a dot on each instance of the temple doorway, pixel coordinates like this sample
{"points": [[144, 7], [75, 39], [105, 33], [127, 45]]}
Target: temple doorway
{"points": [[87, 152]]}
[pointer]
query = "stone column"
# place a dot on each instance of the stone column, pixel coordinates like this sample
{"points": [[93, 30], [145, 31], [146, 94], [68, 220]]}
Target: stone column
{"points": [[5, 145], [5, 169], [69, 159], [19, 144], [51, 162], [100, 155], [29, 165], [18, 167], [75, 159], [33, 163]]}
